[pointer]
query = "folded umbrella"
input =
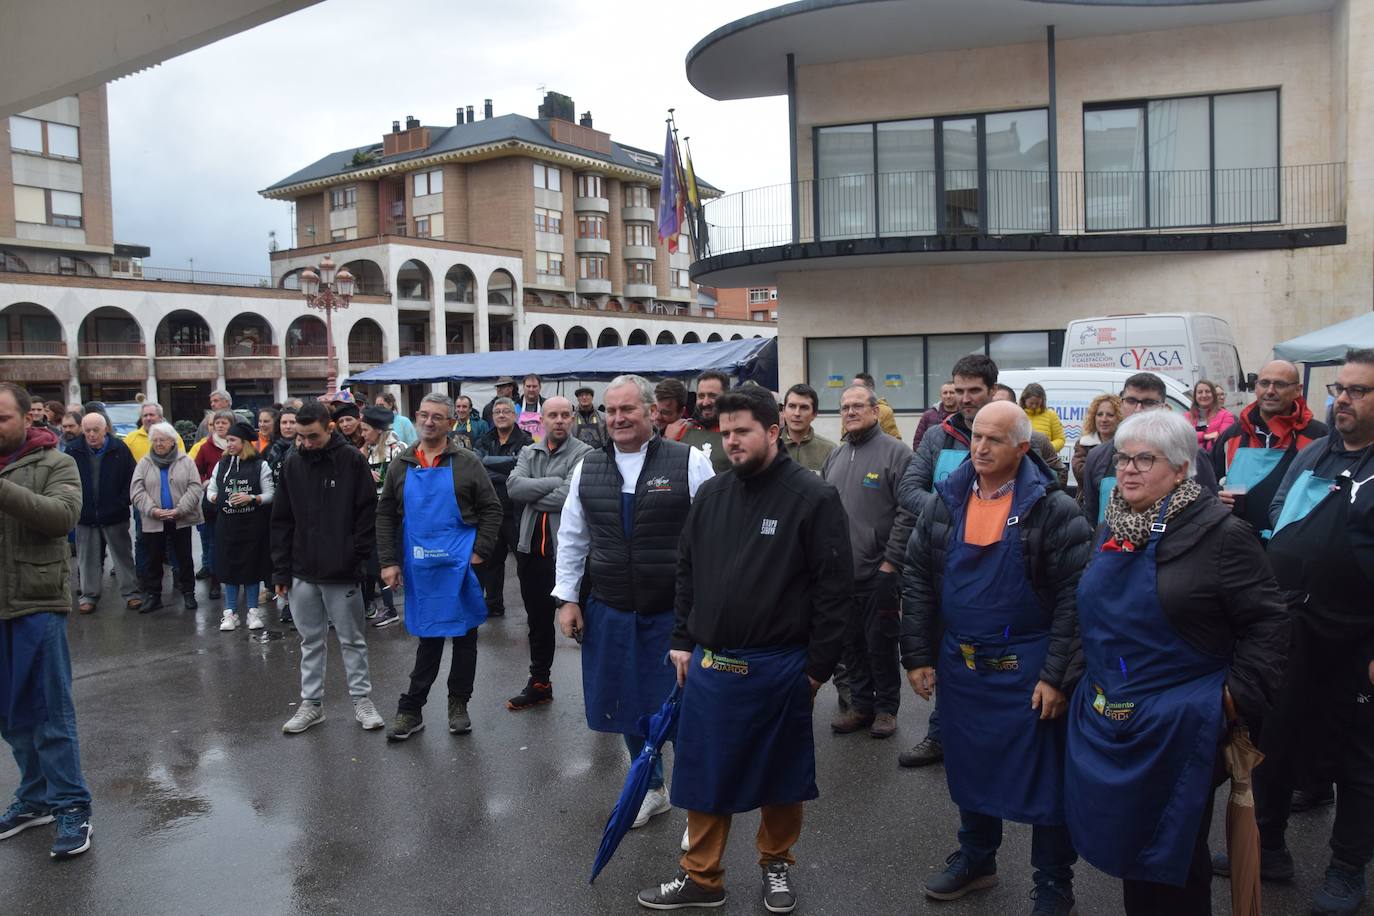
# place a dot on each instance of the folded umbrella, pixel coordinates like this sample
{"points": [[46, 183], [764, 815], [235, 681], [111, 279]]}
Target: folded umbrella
{"points": [[657, 728], [1242, 832]]}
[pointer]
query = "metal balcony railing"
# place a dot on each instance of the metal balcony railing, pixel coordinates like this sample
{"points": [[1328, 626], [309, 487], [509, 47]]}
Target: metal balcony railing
{"points": [[307, 351], [994, 202], [365, 352], [248, 348], [184, 349], [111, 348], [32, 348], [213, 277]]}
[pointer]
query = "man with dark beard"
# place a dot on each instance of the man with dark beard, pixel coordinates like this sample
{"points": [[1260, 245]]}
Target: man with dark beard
{"points": [[704, 433]]}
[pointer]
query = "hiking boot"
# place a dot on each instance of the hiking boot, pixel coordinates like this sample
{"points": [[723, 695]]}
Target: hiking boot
{"points": [[680, 893], [534, 694], [1053, 900], [851, 721], [929, 751], [960, 878], [404, 725], [255, 621], [1341, 893], [655, 803], [229, 622], [778, 894], [189, 602], [307, 715], [73, 833], [19, 817], [386, 618], [1307, 799], [459, 722], [884, 726], [1275, 865], [366, 714]]}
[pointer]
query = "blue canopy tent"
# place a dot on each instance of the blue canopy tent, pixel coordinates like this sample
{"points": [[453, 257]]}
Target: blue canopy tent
{"points": [[753, 360], [1327, 346]]}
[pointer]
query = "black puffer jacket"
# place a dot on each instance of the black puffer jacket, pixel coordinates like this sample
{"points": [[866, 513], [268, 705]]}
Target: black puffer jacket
{"points": [[323, 515], [1055, 539], [1218, 592]]}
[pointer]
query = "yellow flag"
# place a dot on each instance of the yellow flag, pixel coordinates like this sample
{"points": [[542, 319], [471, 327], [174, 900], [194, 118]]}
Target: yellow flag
{"points": [[692, 183]]}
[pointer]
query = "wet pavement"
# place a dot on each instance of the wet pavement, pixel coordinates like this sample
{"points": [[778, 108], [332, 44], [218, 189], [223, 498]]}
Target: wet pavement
{"points": [[203, 806]]}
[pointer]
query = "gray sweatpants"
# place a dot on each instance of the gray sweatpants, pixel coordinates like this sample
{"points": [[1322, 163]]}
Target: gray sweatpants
{"points": [[90, 567], [314, 605]]}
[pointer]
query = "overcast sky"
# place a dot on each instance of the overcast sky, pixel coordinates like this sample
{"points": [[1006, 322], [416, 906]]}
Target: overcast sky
{"points": [[196, 138]]}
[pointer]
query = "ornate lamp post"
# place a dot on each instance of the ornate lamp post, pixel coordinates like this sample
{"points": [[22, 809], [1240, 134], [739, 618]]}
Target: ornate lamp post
{"points": [[328, 291]]}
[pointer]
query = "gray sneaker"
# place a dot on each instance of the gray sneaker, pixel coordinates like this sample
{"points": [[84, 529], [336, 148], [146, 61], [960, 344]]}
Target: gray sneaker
{"points": [[366, 714], [459, 723], [405, 725], [307, 715]]}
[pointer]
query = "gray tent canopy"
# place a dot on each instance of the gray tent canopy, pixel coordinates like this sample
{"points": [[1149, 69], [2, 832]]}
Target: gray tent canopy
{"points": [[1328, 345]]}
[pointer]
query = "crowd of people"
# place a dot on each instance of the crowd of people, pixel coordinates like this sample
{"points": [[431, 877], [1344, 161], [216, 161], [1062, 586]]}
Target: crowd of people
{"points": [[1086, 655]]}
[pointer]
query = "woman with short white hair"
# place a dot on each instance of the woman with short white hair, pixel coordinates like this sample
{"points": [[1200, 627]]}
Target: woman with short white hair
{"points": [[1177, 607], [166, 491]]}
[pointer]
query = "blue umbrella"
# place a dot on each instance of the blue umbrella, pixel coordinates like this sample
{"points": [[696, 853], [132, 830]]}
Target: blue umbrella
{"points": [[657, 728]]}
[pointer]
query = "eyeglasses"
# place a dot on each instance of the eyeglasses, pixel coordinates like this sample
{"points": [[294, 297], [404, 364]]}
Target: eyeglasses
{"points": [[1142, 461], [1276, 384], [854, 408], [1146, 403], [1356, 392]]}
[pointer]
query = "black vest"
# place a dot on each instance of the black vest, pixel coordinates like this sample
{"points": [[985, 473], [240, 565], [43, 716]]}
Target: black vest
{"points": [[640, 574]]}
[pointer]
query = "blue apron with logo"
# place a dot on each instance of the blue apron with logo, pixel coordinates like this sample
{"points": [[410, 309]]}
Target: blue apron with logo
{"points": [[1000, 758], [744, 732], [443, 596], [946, 463], [1145, 725]]}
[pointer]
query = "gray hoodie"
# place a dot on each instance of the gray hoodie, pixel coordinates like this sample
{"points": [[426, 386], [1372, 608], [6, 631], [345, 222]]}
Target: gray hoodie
{"points": [[867, 469], [539, 483]]}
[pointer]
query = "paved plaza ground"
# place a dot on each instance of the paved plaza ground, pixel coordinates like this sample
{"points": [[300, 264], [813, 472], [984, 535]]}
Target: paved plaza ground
{"points": [[203, 806]]}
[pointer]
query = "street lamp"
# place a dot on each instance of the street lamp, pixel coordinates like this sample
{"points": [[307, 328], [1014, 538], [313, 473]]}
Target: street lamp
{"points": [[328, 291]]}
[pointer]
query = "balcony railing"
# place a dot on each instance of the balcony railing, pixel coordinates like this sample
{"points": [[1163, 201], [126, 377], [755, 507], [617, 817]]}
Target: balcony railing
{"points": [[184, 349], [998, 203], [111, 348], [215, 278], [365, 352], [32, 348], [244, 349], [307, 351]]}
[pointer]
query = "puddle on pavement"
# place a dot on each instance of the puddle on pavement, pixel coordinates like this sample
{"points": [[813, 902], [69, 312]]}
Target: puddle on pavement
{"points": [[270, 635]]}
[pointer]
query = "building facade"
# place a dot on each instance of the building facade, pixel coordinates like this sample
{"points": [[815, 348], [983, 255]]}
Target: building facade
{"points": [[1057, 161]]}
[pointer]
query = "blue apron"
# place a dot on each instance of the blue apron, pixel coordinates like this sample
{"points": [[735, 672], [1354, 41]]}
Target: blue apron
{"points": [[1303, 496], [744, 732], [443, 597], [1104, 496], [1145, 725], [1251, 466], [625, 670], [1000, 758], [946, 463]]}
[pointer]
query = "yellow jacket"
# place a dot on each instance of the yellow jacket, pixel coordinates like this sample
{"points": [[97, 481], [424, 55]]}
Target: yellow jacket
{"points": [[139, 445], [1047, 421], [886, 420]]}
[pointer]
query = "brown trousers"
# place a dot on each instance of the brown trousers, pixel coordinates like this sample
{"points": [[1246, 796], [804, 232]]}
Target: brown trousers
{"points": [[779, 828]]}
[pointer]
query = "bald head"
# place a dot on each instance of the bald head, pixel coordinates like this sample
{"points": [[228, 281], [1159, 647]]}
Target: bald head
{"points": [[557, 414], [1277, 388], [1006, 417], [93, 428], [1001, 436]]}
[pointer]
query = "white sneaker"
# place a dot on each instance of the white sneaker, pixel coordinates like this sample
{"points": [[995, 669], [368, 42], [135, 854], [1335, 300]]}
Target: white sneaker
{"points": [[366, 714], [229, 622], [686, 843], [255, 619], [655, 803], [309, 714]]}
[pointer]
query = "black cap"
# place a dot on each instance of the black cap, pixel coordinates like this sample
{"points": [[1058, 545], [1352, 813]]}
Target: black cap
{"points": [[579, 391], [377, 417], [344, 409], [245, 431]]}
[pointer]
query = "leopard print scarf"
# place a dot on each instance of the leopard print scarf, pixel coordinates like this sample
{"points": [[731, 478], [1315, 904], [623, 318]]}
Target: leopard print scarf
{"points": [[1129, 527]]}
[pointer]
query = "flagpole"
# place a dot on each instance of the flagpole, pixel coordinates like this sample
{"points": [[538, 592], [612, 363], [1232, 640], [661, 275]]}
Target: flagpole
{"points": [[681, 183]]}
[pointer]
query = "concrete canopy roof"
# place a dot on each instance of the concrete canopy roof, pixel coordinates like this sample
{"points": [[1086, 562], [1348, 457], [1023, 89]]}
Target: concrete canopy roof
{"points": [[748, 58], [60, 47]]}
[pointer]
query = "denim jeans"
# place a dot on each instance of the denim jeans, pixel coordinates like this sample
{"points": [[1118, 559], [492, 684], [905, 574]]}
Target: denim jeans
{"points": [[1052, 853], [634, 744], [48, 754], [250, 596]]}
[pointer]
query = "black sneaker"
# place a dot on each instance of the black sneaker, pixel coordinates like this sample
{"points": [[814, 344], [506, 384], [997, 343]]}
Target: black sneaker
{"points": [[386, 618], [459, 722], [534, 694], [151, 602], [20, 817], [73, 833], [214, 594], [1275, 865], [778, 895], [371, 611], [959, 878], [1053, 900], [405, 725], [285, 617], [924, 754], [679, 894], [189, 602], [202, 574], [496, 612]]}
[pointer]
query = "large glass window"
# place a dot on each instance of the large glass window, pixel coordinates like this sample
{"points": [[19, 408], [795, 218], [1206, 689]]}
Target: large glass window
{"points": [[1019, 350], [844, 180], [830, 367], [960, 145], [1195, 161], [26, 135], [944, 350], [1018, 163], [906, 177], [896, 366], [62, 141]]}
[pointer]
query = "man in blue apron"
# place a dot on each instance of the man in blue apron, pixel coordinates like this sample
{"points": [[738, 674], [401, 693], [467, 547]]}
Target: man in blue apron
{"points": [[1254, 453], [437, 517], [942, 449], [1142, 391], [997, 559], [751, 659], [1322, 553], [625, 510]]}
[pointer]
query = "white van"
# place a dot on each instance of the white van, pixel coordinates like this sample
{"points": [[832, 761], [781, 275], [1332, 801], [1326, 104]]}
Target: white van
{"points": [[1186, 346], [1070, 391]]}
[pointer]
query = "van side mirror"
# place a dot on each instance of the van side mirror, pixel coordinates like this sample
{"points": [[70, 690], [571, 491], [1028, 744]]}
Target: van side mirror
{"points": [[1250, 380]]}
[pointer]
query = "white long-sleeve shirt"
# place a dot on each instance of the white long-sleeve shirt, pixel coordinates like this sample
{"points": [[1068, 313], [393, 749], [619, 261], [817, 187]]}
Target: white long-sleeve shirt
{"points": [[212, 485], [573, 539]]}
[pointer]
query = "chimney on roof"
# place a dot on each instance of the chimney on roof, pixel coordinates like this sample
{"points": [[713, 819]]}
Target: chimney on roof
{"points": [[556, 105], [586, 119], [472, 118], [486, 108], [460, 114], [412, 122], [395, 127]]}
